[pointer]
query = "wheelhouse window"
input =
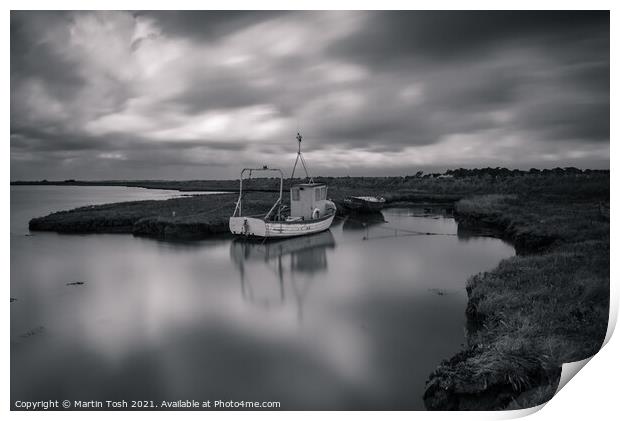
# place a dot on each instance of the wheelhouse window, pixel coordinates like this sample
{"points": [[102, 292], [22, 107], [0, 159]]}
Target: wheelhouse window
{"points": [[321, 193], [295, 194]]}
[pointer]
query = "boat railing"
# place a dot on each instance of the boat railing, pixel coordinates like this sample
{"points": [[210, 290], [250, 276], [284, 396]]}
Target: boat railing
{"points": [[238, 205]]}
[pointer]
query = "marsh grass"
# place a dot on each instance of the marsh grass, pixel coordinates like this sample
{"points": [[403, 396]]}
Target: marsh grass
{"points": [[546, 306], [180, 218]]}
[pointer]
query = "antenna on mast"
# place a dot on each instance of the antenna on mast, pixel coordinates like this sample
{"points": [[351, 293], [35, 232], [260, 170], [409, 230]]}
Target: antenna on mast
{"points": [[300, 157]]}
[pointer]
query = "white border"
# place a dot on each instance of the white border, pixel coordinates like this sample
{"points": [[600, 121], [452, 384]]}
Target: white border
{"points": [[592, 394]]}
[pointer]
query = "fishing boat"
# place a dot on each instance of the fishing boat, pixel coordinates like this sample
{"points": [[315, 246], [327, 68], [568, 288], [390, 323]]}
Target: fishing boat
{"points": [[364, 203], [309, 212]]}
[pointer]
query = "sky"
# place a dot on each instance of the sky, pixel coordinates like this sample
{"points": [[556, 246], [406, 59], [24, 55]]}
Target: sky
{"points": [[202, 94]]}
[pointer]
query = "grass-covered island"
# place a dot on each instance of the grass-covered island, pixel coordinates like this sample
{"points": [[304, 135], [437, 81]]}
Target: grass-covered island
{"points": [[546, 306]]}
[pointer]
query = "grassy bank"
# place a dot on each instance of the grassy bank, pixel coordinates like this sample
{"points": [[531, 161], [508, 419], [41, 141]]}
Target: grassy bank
{"points": [[547, 306], [187, 218]]}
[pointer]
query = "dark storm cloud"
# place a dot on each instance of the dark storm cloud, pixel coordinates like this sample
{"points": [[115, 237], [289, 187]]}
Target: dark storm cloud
{"points": [[220, 90], [33, 140], [196, 94], [425, 42], [449, 35], [33, 56], [35, 61], [205, 25], [572, 120]]}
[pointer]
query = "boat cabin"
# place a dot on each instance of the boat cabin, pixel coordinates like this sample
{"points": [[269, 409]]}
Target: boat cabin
{"points": [[309, 201]]}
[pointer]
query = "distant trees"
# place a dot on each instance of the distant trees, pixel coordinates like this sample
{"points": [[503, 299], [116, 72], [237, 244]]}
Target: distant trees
{"points": [[500, 172]]}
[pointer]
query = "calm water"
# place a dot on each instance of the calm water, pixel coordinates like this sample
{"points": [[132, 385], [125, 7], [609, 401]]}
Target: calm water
{"points": [[353, 318]]}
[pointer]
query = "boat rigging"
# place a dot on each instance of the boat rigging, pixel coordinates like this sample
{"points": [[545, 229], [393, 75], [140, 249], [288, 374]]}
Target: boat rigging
{"points": [[310, 211]]}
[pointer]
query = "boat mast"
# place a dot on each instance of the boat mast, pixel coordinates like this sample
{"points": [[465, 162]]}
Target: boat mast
{"points": [[300, 157]]}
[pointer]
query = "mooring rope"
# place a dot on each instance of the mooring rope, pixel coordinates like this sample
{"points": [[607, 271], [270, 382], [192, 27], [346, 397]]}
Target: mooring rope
{"points": [[396, 230]]}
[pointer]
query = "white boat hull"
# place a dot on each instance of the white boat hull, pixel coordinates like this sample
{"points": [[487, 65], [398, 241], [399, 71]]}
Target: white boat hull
{"points": [[255, 227]]}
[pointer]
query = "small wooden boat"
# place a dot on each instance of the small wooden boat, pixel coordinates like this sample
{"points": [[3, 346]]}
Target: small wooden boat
{"points": [[364, 203], [310, 210]]}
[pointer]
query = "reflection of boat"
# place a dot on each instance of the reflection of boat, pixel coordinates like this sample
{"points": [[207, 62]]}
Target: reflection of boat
{"points": [[364, 203], [362, 221], [310, 211], [307, 255]]}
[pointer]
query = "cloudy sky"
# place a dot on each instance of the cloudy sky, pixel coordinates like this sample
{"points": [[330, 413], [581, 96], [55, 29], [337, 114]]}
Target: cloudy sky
{"points": [[178, 95]]}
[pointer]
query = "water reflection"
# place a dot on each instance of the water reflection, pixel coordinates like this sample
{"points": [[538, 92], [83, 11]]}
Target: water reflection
{"points": [[306, 255], [356, 222]]}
